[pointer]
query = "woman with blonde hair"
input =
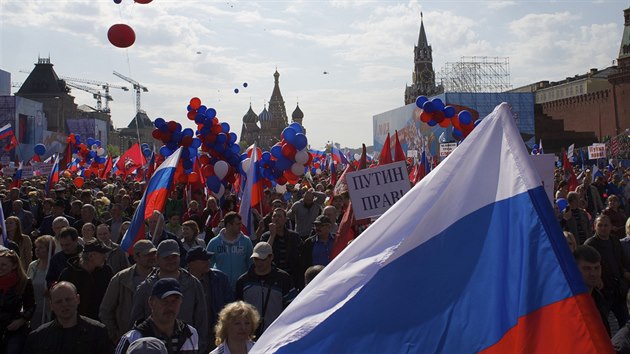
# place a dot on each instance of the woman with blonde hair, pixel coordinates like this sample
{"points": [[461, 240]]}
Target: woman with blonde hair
{"points": [[44, 249], [17, 303], [236, 328], [14, 233]]}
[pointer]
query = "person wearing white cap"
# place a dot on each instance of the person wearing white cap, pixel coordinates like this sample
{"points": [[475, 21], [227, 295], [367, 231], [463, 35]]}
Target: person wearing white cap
{"points": [[266, 287], [165, 302]]}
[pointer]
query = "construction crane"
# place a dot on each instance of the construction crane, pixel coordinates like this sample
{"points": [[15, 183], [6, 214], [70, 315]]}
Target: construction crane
{"points": [[105, 85], [136, 86], [95, 93]]}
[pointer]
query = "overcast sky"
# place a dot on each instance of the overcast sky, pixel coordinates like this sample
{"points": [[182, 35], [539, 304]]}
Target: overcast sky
{"points": [[188, 48]]}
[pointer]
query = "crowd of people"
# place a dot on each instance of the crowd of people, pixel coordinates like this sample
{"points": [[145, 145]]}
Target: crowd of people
{"points": [[194, 284], [197, 284]]}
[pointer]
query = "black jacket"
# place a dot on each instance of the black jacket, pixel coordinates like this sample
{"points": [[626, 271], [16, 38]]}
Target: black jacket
{"points": [[16, 304], [90, 286], [93, 338], [187, 340]]}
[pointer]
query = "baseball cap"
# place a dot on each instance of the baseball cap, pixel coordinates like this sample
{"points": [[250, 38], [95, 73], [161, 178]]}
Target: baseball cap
{"points": [[168, 248], [198, 254], [147, 345], [144, 247], [322, 219], [166, 287], [96, 246], [262, 250]]}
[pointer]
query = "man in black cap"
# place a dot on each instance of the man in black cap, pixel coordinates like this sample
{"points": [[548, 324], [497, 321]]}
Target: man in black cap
{"points": [[215, 284], [163, 323], [90, 275], [318, 248], [115, 311]]}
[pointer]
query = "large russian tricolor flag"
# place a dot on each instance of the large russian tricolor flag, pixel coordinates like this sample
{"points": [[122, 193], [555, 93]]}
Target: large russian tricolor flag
{"points": [[470, 260], [154, 198]]}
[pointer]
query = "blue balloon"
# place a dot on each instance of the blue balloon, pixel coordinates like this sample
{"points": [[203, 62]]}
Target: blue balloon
{"points": [[165, 151], [243, 156], [477, 122], [465, 117], [185, 154], [97, 143], [187, 164], [431, 123], [211, 113], [283, 163], [214, 183], [300, 141], [449, 111], [562, 203], [225, 127], [40, 149], [192, 152], [276, 151], [288, 134], [145, 146], [172, 146], [176, 137], [202, 109], [428, 107], [266, 156], [438, 104], [297, 127], [233, 138], [158, 122], [77, 137], [90, 142], [220, 148], [236, 149], [188, 132], [221, 138], [146, 153], [117, 1], [420, 101], [200, 118], [196, 143], [178, 128], [233, 160], [189, 108]]}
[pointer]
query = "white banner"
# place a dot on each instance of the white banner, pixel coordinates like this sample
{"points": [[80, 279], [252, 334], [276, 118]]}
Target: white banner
{"points": [[374, 190], [447, 148], [412, 153], [597, 151], [27, 172], [44, 168], [5, 159]]}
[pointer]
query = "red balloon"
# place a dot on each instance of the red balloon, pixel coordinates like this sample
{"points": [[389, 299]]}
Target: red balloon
{"points": [[438, 116], [455, 122], [121, 35], [172, 126], [425, 117], [187, 140], [78, 182], [142, 1], [193, 177], [445, 123], [216, 129], [204, 159], [289, 151], [207, 171], [195, 103], [156, 134], [191, 115]]}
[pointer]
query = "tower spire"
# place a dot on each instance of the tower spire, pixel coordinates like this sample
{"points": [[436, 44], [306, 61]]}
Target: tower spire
{"points": [[422, 38]]}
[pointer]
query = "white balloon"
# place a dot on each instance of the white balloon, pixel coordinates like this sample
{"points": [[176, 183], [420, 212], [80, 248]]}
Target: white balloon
{"points": [[318, 171], [281, 188], [357, 157], [245, 164], [94, 147], [100, 151], [221, 169], [301, 157], [298, 186], [219, 194], [297, 169]]}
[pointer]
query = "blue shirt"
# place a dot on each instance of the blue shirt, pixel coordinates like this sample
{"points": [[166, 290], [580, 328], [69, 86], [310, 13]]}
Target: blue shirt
{"points": [[232, 258], [321, 251]]}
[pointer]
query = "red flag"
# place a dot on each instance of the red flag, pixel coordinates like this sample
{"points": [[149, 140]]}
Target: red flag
{"points": [[399, 153], [108, 167], [67, 157], [386, 153], [12, 144], [36, 158], [131, 160], [569, 174]]}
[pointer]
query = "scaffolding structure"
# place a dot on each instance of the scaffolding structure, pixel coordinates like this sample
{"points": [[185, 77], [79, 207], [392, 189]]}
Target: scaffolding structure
{"points": [[476, 74]]}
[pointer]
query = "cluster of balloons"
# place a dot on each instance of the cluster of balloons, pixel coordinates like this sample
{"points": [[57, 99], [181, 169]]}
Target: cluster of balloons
{"points": [[435, 112], [290, 156], [90, 156], [121, 35], [463, 124], [316, 165], [39, 149], [536, 149], [236, 90]]}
